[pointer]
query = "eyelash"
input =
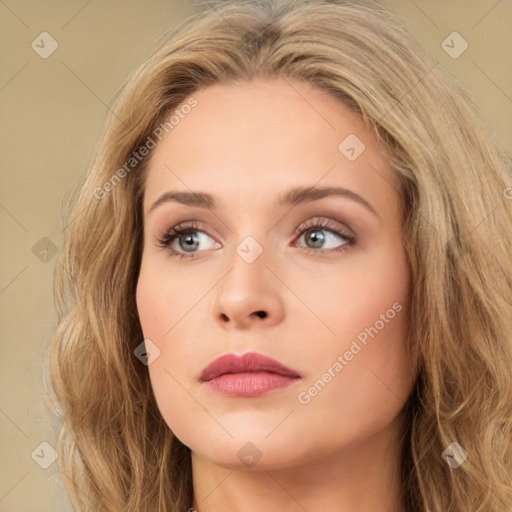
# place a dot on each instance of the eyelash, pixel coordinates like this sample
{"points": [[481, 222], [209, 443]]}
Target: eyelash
{"points": [[170, 235]]}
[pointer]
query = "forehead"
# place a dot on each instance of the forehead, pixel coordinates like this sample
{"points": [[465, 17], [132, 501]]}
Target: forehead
{"points": [[243, 140]]}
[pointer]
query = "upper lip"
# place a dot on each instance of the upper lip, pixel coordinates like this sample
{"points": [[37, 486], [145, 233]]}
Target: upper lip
{"points": [[248, 362]]}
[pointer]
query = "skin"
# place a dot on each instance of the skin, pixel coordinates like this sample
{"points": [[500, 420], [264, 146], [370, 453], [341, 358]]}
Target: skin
{"points": [[246, 144]]}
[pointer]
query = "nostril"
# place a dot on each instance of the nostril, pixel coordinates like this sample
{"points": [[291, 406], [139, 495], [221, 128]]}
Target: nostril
{"points": [[261, 314]]}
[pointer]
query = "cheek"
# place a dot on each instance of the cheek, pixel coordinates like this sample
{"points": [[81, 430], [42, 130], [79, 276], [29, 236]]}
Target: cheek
{"points": [[161, 300], [377, 295], [147, 291], [365, 372], [163, 318], [367, 299]]}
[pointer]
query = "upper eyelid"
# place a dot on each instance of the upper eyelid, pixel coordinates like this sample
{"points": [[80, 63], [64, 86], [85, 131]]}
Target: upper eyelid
{"points": [[310, 223]]}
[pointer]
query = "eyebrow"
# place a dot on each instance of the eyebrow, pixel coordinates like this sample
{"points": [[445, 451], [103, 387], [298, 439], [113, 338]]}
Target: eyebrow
{"points": [[292, 197]]}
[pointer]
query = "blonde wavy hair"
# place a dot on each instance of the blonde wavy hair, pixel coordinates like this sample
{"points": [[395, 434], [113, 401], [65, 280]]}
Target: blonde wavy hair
{"points": [[115, 450]]}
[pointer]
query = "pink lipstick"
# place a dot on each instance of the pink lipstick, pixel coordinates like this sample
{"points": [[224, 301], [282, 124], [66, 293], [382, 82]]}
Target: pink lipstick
{"points": [[249, 375]]}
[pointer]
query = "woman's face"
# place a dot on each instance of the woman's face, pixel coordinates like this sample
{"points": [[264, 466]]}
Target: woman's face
{"points": [[330, 304]]}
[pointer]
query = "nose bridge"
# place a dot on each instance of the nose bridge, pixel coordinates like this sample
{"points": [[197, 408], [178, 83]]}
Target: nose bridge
{"points": [[250, 233], [254, 245], [248, 263]]}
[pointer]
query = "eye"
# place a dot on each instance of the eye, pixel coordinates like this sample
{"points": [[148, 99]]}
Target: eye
{"points": [[315, 230], [185, 235]]}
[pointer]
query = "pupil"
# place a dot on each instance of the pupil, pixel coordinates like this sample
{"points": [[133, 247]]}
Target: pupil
{"points": [[316, 239], [190, 242]]}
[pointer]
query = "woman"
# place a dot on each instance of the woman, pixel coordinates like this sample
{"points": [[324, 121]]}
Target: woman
{"points": [[287, 280]]}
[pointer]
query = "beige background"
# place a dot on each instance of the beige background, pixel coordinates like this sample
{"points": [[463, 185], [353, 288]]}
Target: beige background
{"points": [[52, 114]]}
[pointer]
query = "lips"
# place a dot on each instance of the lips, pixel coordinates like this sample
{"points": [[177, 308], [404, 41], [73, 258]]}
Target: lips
{"points": [[247, 376], [251, 362]]}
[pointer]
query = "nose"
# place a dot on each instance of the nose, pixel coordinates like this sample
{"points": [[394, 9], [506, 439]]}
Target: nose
{"points": [[249, 295]]}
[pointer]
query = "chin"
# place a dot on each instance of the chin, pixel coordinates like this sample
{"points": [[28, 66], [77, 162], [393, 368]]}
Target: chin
{"points": [[249, 452]]}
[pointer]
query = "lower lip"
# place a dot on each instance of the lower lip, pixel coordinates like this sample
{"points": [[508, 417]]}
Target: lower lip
{"points": [[249, 384]]}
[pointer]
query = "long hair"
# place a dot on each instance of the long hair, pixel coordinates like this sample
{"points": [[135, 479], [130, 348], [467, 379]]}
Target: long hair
{"points": [[115, 450]]}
